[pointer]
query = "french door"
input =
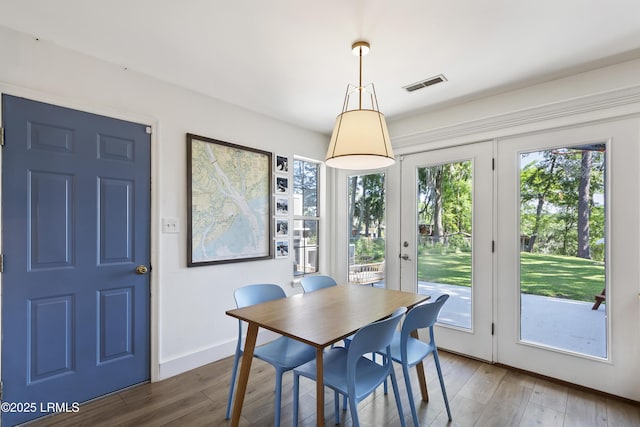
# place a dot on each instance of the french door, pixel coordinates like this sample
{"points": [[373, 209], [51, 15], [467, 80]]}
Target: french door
{"points": [[536, 239], [568, 231], [446, 231]]}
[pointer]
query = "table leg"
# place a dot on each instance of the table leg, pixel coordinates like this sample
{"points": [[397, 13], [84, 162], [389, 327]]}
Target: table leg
{"points": [[319, 387], [420, 372], [245, 368]]}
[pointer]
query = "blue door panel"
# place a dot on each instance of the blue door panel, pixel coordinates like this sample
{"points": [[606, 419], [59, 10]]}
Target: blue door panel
{"points": [[50, 229], [50, 335], [49, 137], [114, 148], [116, 324], [75, 215], [116, 221]]}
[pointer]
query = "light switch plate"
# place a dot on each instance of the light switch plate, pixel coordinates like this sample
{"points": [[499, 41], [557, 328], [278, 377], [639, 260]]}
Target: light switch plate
{"points": [[170, 225]]}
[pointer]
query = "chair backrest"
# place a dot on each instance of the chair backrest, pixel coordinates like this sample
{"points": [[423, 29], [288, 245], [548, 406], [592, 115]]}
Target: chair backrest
{"points": [[423, 315], [373, 337], [313, 283], [255, 294]]}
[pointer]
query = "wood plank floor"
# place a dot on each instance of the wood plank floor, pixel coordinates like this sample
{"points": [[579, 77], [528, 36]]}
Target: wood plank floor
{"points": [[480, 394]]}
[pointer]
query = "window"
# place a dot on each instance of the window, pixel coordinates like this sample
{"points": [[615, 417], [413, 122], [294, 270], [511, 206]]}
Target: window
{"points": [[367, 229], [305, 217]]}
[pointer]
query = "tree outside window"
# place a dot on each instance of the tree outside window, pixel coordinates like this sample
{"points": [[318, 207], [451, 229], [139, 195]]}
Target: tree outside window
{"points": [[305, 217]]}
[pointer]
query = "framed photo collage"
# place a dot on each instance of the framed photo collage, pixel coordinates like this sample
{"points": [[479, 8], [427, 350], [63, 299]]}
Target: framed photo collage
{"points": [[282, 203]]}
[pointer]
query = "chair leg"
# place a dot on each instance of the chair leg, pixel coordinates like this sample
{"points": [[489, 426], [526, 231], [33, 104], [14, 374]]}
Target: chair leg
{"points": [[296, 398], [234, 371], [396, 392], [412, 403], [353, 407], [444, 391], [347, 343], [384, 361], [336, 406], [276, 421]]}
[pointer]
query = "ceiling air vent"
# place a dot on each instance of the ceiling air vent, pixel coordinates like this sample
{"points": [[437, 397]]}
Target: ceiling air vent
{"points": [[424, 83]]}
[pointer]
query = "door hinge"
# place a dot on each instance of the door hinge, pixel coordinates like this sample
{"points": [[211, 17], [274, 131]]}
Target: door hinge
{"points": [[1, 263], [1, 136], [493, 246], [493, 328], [1, 389], [148, 130], [493, 163]]}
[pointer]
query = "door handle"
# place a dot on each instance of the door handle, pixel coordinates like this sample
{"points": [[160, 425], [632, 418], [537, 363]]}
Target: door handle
{"points": [[405, 257], [142, 269]]}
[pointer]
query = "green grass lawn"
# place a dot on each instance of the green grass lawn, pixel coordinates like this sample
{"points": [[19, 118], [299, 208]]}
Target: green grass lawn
{"points": [[547, 275]]}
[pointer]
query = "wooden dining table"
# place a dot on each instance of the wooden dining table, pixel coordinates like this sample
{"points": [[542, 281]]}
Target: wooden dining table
{"points": [[319, 318]]}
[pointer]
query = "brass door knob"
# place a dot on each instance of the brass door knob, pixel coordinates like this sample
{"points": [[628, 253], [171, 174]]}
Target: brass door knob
{"points": [[142, 269]]}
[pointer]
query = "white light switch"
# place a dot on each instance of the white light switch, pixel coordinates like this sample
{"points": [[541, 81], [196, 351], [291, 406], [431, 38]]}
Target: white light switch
{"points": [[170, 225]]}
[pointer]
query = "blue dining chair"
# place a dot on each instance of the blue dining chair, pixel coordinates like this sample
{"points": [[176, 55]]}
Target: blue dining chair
{"points": [[317, 282], [349, 373], [283, 353], [409, 351], [313, 283]]}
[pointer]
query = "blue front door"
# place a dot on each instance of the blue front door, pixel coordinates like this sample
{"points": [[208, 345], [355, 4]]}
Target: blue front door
{"points": [[75, 228]]}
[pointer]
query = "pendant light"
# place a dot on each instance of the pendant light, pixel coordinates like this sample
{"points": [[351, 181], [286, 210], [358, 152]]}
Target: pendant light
{"points": [[360, 138]]}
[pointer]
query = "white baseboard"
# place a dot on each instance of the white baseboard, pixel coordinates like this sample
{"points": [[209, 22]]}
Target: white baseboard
{"points": [[194, 360], [187, 362]]}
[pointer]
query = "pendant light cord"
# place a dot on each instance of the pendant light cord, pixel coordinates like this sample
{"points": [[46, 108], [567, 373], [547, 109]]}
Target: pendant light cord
{"points": [[360, 89]]}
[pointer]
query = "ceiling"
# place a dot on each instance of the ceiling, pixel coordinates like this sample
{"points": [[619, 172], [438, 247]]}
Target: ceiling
{"points": [[292, 60]]}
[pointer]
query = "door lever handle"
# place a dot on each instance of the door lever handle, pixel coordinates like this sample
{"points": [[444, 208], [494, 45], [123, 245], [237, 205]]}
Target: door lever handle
{"points": [[405, 257]]}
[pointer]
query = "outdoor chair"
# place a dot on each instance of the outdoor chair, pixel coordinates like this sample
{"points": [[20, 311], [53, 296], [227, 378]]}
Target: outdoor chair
{"points": [[349, 373], [283, 353]]}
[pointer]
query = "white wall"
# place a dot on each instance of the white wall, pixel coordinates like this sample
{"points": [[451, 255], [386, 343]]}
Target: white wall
{"points": [[189, 325]]}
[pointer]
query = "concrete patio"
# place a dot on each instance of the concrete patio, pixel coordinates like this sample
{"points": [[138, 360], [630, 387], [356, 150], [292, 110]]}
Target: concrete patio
{"points": [[555, 322]]}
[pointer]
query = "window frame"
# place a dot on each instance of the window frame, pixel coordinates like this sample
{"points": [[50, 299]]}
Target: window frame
{"points": [[317, 218], [368, 273]]}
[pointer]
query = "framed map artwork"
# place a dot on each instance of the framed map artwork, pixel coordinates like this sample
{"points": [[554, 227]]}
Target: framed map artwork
{"points": [[229, 201]]}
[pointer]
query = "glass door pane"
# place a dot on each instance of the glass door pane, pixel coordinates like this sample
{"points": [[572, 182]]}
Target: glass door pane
{"points": [[562, 248], [445, 235], [366, 229]]}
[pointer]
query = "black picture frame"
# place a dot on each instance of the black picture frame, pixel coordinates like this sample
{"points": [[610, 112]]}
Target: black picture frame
{"points": [[230, 202]]}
